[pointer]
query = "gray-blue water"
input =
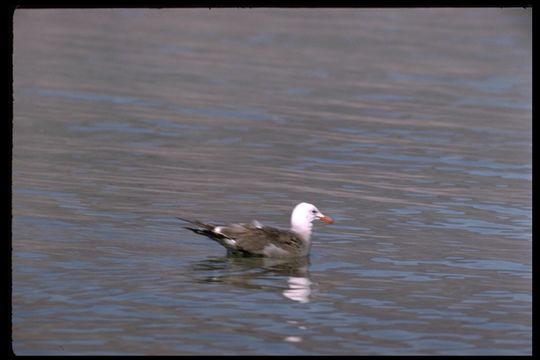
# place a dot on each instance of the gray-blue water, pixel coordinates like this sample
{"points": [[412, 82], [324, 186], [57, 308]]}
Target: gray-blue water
{"points": [[411, 128]]}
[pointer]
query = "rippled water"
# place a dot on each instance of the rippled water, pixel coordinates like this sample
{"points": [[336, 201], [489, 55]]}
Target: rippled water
{"points": [[411, 128]]}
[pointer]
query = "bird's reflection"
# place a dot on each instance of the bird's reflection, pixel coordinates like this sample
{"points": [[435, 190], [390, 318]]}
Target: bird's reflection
{"points": [[299, 289], [260, 273]]}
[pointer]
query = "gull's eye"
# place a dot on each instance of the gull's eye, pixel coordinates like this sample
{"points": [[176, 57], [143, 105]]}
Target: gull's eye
{"points": [[313, 212]]}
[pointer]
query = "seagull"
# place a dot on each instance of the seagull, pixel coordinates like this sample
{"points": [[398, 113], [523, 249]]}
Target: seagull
{"points": [[254, 239]]}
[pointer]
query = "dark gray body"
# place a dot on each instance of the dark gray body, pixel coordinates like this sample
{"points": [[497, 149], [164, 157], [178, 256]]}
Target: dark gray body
{"points": [[252, 239]]}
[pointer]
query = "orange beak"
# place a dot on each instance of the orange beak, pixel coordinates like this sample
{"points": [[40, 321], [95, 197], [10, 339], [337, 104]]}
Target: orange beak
{"points": [[326, 219]]}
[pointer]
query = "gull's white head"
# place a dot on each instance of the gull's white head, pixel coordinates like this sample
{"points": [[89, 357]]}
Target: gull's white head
{"points": [[302, 217]]}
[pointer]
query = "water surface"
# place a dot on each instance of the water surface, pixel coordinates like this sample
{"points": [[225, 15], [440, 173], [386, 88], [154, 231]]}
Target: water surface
{"points": [[411, 128]]}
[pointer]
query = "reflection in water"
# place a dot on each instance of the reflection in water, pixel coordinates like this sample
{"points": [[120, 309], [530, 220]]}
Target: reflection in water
{"points": [[299, 289], [260, 273]]}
